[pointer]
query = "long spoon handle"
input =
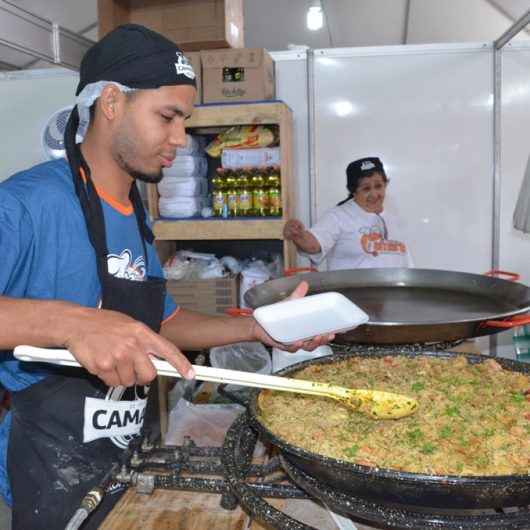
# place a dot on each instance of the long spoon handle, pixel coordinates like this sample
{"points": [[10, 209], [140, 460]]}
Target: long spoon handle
{"points": [[202, 373]]}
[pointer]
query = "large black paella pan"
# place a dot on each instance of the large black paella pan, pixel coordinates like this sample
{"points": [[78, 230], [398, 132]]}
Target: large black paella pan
{"points": [[414, 305], [392, 486]]}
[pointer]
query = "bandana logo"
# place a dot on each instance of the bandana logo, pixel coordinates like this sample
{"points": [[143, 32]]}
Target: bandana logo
{"points": [[183, 66], [366, 165]]}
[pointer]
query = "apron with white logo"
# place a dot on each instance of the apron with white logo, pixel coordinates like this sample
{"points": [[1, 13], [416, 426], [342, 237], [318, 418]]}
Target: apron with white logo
{"points": [[68, 429]]}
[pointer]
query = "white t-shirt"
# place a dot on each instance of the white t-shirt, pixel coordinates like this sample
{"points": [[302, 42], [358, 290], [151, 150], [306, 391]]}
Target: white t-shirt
{"points": [[352, 238]]}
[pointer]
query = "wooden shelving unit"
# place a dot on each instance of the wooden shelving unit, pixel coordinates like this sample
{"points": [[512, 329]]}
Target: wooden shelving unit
{"points": [[210, 119]]}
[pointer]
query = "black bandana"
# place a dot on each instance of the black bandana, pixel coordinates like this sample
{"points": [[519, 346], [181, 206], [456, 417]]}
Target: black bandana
{"points": [[137, 57]]}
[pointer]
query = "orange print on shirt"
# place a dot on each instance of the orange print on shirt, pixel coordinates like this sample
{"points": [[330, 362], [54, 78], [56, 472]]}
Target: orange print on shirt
{"points": [[374, 243]]}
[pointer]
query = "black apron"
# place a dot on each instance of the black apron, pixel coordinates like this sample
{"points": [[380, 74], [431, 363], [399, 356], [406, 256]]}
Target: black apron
{"points": [[54, 454]]}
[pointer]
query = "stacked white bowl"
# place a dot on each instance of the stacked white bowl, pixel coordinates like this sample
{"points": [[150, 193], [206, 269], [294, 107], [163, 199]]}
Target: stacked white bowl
{"points": [[183, 189]]}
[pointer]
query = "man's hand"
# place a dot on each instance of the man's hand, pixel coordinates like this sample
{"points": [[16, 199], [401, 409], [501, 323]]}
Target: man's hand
{"points": [[308, 345], [116, 348]]}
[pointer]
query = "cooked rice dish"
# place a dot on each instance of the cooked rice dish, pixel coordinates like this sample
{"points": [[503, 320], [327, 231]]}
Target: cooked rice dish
{"points": [[473, 419]]}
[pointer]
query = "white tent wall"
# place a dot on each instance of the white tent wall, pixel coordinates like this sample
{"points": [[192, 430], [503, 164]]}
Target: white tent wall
{"points": [[427, 112], [27, 100], [514, 246], [515, 144], [291, 87]]}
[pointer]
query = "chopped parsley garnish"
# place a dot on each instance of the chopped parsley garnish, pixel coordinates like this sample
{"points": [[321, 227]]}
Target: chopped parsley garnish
{"points": [[452, 410], [446, 432], [428, 448], [488, 433], [351, 451], [415, 435]]}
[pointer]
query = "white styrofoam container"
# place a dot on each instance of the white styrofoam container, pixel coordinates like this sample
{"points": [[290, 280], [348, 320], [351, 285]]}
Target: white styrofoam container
{"points": [[238, 158], [182, 187], [188, 166], [312, 315]]}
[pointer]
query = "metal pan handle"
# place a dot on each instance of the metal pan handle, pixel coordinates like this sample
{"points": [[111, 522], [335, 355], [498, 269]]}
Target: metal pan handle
{"points": [[512, 322], [510, 276]]}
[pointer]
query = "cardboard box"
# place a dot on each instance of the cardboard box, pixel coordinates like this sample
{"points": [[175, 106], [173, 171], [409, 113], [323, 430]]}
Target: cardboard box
{"points": [[206, 296], [237, 75], [195, 59], [192, 24]]}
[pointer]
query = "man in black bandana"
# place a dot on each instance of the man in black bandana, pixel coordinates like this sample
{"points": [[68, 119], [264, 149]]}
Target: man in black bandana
{"points": [[80, 272]]}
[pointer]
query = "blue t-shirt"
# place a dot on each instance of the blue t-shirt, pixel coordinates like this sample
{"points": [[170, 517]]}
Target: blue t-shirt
{"points": [[45, 254]]}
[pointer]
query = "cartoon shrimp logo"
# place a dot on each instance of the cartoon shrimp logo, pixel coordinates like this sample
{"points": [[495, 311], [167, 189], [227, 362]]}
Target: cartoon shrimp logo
{"points": [[123, 266], [373, 242], [370, 236]]}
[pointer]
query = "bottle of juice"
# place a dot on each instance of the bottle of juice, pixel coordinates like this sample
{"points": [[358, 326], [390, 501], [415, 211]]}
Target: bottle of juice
{"points": [[274, 191], [259, 193], [245, 193], [218, 192], [232, 193]]}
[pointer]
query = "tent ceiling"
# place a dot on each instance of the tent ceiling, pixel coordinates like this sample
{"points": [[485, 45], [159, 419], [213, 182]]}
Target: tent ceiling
{"points": [[274, 24]]}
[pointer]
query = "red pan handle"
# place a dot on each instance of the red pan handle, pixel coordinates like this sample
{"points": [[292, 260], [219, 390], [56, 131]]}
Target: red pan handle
{"points": [[512, 322], [239, 311], [294, 270], [247, 312], [510, 276]]}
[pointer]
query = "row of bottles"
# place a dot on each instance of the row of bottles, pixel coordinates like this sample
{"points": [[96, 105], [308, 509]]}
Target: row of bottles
{"points": [[247, 192]]}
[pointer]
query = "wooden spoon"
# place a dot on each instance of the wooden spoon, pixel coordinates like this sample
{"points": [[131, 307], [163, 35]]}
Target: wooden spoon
{"points": [[373, 403]]}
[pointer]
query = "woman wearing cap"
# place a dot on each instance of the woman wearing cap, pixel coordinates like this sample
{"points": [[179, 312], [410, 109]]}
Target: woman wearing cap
{"points": [[355, 233]]}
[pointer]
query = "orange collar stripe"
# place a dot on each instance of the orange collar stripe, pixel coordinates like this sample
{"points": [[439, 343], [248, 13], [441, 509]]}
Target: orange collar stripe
{"points": [[124, 209]]}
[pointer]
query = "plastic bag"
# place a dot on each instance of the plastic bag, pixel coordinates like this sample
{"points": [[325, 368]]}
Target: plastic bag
{"points": [[281, 359], [244, 356], [205, 424], [253, 274], [242, 137], [259, 157]]}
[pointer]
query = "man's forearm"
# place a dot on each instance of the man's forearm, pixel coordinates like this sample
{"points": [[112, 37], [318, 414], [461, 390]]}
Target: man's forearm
{"points": [[42, 323], [192, 331]]}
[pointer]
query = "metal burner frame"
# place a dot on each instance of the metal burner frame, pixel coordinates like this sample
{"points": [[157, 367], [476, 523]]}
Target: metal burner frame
{"points": [[149, 467]]}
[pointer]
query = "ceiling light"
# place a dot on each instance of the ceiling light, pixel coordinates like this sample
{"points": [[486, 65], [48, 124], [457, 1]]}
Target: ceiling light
{"points": [[343, 108], [315, 17]]}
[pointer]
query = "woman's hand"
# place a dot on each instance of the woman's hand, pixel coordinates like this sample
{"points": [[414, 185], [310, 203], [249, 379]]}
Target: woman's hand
{"points": [[308, 345], [293, 230]]}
